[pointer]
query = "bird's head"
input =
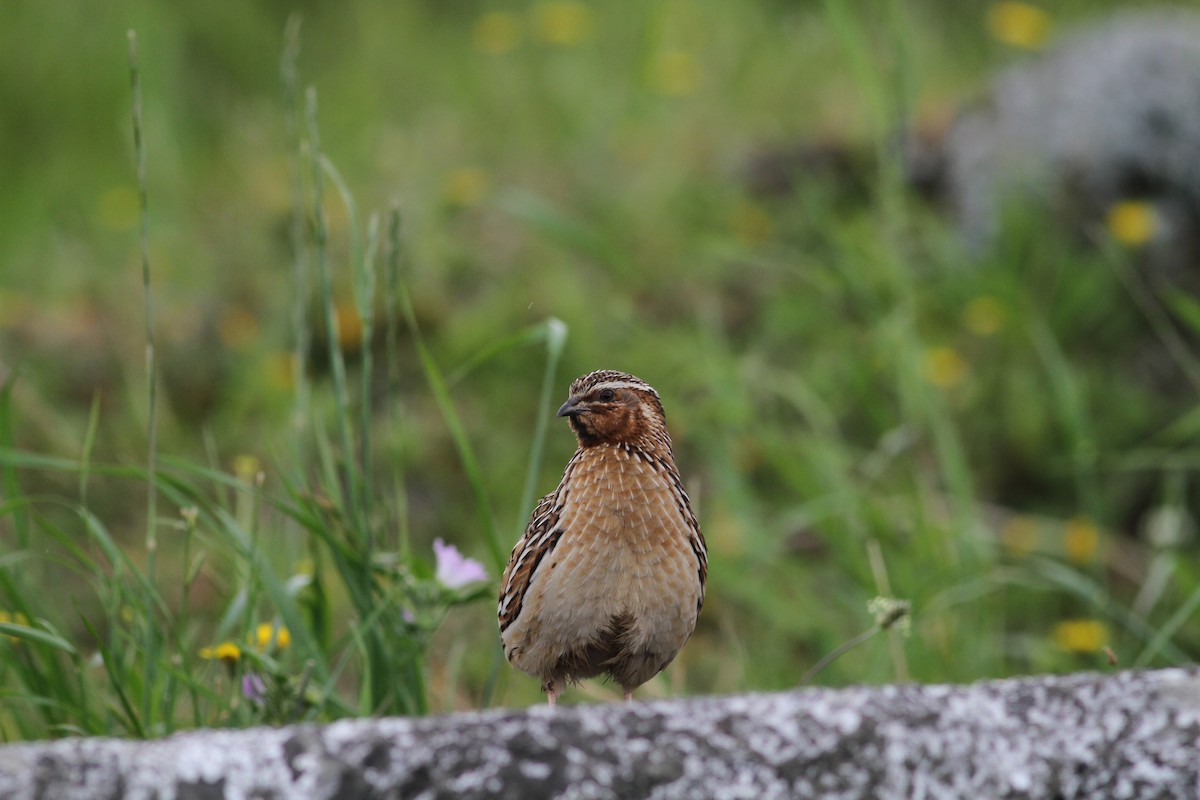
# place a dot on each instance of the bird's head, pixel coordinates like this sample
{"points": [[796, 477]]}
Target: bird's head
{"points": [[610, 407]]}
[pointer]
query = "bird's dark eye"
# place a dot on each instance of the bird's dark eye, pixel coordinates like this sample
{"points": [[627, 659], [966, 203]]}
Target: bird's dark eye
{"points": [[607, 395]]}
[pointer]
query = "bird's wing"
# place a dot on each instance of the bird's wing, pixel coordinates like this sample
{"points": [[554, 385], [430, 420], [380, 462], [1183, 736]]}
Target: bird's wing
{"points": [[540, 536]]}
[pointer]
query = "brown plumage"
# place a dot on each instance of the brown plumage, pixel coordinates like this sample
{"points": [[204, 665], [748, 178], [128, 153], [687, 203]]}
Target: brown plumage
{"points": [[609, 576]]}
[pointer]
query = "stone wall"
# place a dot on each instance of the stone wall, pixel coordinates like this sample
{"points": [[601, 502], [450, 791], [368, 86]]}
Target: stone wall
{"points": [[1128, 735]]}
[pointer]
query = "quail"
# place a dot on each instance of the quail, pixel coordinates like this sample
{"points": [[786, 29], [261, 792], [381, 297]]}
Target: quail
{"points": [[609, 576]]}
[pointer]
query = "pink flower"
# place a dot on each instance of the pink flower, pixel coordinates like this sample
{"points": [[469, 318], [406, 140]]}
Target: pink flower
{"points": [[253, 688], [454, 570]]}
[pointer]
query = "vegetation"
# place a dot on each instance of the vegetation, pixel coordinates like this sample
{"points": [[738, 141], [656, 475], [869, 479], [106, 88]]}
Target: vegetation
{"points": [[381, 239]]}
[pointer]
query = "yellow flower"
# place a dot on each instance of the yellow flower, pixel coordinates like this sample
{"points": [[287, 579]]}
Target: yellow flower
{"points": [[1081, 540], [226, 652], [675, 73], [1081, 635], [266, 633], [496, 33], [1018, 24], [751, 223], [562, 22], [1132, 222], [1019, 535], [465, 186], [246, 466], [944, 367], [984, 316]]}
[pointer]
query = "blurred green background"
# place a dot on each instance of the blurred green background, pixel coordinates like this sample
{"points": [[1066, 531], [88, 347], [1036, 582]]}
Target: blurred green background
{"points": [[859, 409]]}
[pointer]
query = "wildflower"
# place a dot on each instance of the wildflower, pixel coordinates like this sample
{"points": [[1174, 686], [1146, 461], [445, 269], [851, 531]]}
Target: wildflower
{"points": [[253, 687], [891, 612], [984, 316], [1018, 24], [1081, 540], [453, 569], [227, 653], [1081, 635], [1019, 535], [944, 367], [562, 22], [1132, 222], [465, 186], [675, 73], [496, 33], [13, 619], [246, 467], [267, 635]]}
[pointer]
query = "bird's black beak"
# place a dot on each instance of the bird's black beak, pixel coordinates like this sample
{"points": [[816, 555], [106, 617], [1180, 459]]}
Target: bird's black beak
{"points": [[570, 408]]}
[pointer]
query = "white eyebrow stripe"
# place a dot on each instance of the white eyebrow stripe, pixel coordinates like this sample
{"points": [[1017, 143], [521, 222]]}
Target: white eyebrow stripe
{"points": [[614, 385]]}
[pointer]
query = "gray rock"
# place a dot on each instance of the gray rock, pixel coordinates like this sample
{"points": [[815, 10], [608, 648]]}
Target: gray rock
{"points": [[1129, 735], [1108, 113]]}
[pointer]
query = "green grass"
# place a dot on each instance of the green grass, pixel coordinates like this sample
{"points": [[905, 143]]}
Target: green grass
{"points": [[446, 216]]}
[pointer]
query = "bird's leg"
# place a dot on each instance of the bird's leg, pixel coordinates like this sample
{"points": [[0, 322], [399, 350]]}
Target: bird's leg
{"points": [[552, 689], [629, 695]]}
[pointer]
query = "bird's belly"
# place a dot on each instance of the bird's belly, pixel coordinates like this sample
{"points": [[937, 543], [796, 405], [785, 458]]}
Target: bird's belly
{"points": [[625, 573]]}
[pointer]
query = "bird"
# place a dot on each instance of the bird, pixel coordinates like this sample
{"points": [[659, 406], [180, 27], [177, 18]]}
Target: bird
{"points": [[609, 576]]}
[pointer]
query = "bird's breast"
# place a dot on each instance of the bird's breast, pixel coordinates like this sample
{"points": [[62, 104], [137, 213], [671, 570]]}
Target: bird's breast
{"points": [[625, 543]]}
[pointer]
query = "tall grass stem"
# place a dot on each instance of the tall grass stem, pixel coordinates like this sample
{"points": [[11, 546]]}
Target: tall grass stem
{"points": [[302, 336], [320, 168], [393, 278], [151, 638]]}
